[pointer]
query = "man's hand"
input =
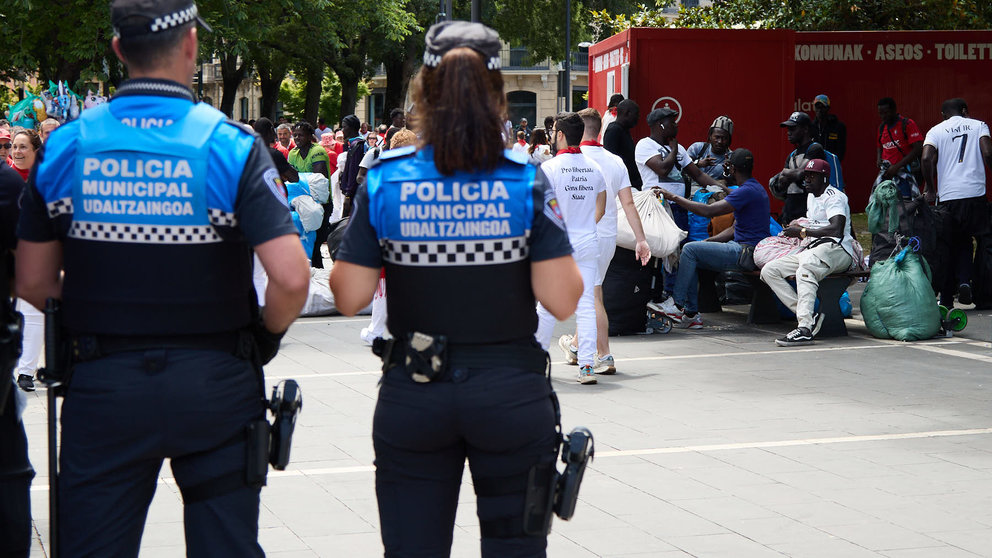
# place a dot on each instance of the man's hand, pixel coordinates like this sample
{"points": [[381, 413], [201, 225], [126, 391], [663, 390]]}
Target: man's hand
{"points": [[706, 161], [890, 173], [673, 144], [664, 193], [642, 252], [792, 230], [930, 196]]}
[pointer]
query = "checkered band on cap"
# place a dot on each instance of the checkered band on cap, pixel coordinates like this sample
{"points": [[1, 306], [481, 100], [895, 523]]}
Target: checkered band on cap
{"points": [[144, 234], [455, 253], [174, 19]]}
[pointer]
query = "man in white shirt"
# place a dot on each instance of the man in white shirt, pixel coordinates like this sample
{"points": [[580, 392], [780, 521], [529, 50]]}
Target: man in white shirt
{"points": [[832, 252], [617, 187], [662, 162], [580, 189], [955, 154]]}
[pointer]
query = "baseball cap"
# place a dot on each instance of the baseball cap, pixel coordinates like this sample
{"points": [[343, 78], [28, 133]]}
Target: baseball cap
{"points": [[4, 134], [657, 115], [446, 35], [797, 119], [821, 99], [818, 166], [742, 159], [133, 18]]}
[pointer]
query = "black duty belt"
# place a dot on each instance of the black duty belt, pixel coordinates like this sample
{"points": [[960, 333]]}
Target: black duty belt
{"points": [[91, 347], [526, 356]]}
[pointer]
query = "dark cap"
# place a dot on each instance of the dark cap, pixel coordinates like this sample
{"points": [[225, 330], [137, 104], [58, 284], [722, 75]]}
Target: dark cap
{"points": [[351, 121], [742, 159], [657, 115], [446, 35], [818, 166], [797, 119], [133, 18]]}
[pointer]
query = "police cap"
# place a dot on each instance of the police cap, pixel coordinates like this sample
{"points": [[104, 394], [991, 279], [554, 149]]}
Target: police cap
{"points": [[447, 35], [133, 18]]}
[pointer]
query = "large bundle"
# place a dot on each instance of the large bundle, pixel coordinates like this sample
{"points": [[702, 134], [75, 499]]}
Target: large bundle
{"points": [[898, 302], [626, 291], [662, 234]]}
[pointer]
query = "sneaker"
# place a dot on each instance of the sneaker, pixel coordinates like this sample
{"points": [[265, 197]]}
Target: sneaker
{"points": [[964, 293], [605, 365], [586, 375], [689, 322], [668, 308], [818, 318], [25, 382], [571, 353], [796, 338]]}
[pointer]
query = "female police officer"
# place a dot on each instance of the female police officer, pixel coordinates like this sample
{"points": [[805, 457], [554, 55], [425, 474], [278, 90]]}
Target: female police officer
{"points": [[469, 236]]}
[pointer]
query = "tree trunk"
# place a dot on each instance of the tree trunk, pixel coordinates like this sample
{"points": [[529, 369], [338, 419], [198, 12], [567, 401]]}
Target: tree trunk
{"points": [[315, 80], [232, 75], [349, 70], [271, 72], [395, 85]]}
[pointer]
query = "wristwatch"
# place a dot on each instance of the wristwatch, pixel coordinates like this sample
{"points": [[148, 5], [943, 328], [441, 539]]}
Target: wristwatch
{"points": [[802, 233]]}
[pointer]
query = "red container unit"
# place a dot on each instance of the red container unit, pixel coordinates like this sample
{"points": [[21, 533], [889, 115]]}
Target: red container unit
{"points": [[703, 74], [919, 69], [758, 77]]}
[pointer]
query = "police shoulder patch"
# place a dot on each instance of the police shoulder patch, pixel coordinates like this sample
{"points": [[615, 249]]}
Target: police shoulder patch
{"points": [[552, 210], [274, 182]]}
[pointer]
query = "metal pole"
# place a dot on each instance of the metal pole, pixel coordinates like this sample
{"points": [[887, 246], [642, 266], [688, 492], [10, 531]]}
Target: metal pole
{"points": [[568, 55], [476, 11], [448, 9]]}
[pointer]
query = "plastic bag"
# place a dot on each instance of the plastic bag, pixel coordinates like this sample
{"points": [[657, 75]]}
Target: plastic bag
{"points": [[775, 247], [898, 302], [311, 213], [318, 185], [661, 232]]}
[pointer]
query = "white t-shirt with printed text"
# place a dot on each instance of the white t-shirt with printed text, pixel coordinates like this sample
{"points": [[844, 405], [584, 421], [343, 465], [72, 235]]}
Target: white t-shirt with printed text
{"points": [[960, 168], [576, 181], [832, 202], [615, 174], [647, 148]]}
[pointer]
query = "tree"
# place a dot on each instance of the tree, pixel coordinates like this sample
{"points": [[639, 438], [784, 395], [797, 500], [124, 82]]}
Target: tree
{"points": [[67, 40]]}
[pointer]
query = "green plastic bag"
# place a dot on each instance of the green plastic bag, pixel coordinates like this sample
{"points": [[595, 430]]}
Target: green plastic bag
{"points": [[899, 302]]}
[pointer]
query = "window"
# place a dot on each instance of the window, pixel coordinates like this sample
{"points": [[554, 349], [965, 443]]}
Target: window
{"points": [[244, 108], [522, 104]]}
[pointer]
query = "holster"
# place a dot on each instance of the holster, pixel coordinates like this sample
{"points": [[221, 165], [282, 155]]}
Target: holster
{"points": [[420, 363]]}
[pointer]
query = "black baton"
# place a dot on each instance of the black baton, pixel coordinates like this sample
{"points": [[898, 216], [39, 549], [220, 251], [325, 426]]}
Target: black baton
{"points": [[52, 375]]}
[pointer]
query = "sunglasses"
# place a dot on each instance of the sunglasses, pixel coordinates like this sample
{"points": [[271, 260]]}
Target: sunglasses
{"points": [[6, 145]]}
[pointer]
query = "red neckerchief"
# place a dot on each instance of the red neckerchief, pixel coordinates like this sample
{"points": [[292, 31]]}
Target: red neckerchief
{"points": [[575, 150], [522, 142], [613, 111], [591, 143]]}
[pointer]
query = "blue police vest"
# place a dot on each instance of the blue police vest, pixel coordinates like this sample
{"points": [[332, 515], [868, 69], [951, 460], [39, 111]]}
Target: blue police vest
{"points": [[152, 249], [455, 247]]}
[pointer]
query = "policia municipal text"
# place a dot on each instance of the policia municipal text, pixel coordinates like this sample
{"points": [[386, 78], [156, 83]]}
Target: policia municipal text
{"points": [[159, 310], [464, 377]]}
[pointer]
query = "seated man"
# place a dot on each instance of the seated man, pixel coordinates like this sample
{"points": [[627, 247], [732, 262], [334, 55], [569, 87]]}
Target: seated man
{"points": [[749, 204], [830, 217]]}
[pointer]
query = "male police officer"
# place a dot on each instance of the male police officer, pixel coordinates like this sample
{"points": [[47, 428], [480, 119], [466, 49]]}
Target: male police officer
{"points": [[152, 205]]}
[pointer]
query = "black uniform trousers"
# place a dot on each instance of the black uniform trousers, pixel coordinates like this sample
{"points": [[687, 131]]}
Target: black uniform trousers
{"points": [[969, 219], [15, 485], [122, 415], [502, 419]]}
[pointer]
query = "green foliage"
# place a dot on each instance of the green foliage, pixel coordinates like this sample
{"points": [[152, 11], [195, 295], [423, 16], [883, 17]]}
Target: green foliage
{"points": [[293, 96], [810, 15]]}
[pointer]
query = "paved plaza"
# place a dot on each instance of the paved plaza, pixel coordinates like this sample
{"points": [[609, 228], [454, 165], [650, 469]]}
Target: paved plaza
{"points": [[711, 443]]}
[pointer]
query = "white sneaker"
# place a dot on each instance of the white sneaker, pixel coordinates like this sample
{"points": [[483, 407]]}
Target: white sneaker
{"points": [[605, 365], [586, 375], [668, 308], [571, 353], [685, 322], [367, 336]]}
